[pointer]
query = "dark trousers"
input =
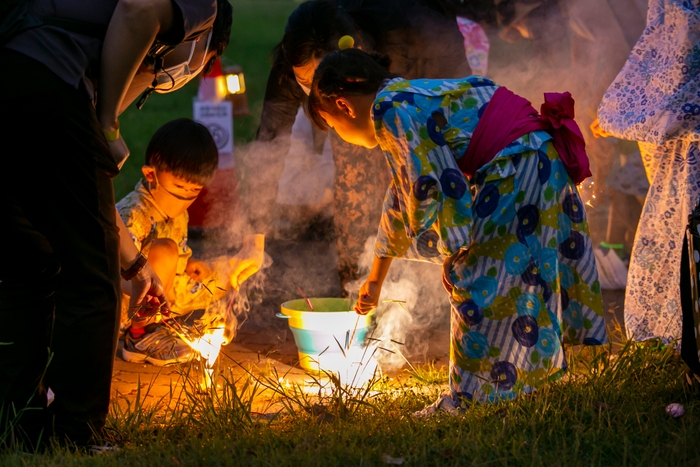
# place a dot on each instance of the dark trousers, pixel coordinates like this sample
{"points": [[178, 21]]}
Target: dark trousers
{"points": [[59, 272], [689, 341]]}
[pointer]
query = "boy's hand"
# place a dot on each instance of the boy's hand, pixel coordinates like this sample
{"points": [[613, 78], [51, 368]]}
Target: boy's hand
{"points": [[198, 270], [368, 297], [242, 269], [248, 261]]}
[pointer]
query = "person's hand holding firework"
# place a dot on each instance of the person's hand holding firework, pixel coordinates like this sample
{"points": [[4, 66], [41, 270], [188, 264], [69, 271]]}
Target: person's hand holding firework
{"points": [[147, 298], [372, 288], [248, 261], [146, 291], [148, 313], [368, 297]]}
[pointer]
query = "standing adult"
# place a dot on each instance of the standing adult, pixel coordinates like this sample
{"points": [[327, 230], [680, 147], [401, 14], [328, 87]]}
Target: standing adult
{"points": [[69, 77], [655, 100], [420, 42]]}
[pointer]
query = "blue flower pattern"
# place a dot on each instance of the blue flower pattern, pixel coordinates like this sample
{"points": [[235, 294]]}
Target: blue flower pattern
{"points": [[519, 228]]}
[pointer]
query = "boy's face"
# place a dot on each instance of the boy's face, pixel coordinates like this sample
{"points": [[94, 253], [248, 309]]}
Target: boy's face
{"points": [[172, 194]]}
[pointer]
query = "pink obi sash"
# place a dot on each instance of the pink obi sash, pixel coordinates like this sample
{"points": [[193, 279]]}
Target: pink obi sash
{"points": [[508, 117]]}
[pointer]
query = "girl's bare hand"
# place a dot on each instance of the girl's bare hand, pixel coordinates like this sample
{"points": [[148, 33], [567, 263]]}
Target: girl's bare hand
{"points": [[597, 131], [446, 270], [368, 297]]}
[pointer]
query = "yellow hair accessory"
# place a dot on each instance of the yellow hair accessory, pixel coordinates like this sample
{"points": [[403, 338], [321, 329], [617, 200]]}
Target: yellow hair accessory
{"points": [[346, 42], [111, 135]]}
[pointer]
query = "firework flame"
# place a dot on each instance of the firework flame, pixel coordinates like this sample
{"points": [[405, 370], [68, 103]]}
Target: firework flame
{"points": [[209, 345]]}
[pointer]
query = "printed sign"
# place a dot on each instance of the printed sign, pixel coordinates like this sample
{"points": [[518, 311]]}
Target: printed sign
{"points": [[218, 118]]}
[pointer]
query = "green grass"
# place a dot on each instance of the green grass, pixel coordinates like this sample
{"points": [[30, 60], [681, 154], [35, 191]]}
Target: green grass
{"points": [[258, 26], [609, 411]]}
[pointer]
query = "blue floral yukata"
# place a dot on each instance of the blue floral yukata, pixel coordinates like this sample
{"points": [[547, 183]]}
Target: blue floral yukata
{"points": [[524, 271]]}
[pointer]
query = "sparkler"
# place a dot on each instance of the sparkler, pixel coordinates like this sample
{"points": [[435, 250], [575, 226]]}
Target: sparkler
{"points": [[308, 302], [207, 345], [357, 321], [587, 193]]}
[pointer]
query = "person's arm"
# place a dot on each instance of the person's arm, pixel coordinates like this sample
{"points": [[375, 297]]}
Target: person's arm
{"points": [[372, 288], [131, 32], [146, 288], [283, 96], [270, 148]]}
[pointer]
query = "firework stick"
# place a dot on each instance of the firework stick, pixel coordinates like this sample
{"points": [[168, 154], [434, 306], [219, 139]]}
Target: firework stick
{"points": [[182, 330], [230, 302], [357, 322], [308, 302], [352, 337], [180, 335]]}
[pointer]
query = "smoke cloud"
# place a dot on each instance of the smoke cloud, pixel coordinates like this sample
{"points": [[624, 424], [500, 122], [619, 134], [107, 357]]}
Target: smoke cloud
{"points": [[412, 305], [579, 49]]}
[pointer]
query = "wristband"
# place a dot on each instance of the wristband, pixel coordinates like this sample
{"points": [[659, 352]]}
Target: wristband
{"points": [[111, 135], [612, 246], [135, 268]]}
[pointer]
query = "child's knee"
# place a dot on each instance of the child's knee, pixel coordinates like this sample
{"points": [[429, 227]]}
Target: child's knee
{"points": [[164, 251]]}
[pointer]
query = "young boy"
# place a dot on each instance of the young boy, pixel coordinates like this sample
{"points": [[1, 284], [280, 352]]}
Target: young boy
{"points": [[181, 159]]}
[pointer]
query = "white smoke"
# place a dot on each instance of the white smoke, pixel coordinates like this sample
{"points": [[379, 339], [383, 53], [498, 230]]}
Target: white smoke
{"points": [[412, 304]]}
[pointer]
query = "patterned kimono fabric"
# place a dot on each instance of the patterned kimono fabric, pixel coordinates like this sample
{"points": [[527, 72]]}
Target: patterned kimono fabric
{"points": [[360, 181], [656, 100], [525, 274]]}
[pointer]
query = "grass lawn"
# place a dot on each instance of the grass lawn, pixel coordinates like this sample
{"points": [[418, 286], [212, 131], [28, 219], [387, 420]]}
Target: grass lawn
{"points": [[258, 26], [610, 411]]}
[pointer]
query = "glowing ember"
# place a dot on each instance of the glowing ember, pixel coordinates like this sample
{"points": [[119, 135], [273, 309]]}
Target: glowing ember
{"points": [[209, 345], [587, 192]]}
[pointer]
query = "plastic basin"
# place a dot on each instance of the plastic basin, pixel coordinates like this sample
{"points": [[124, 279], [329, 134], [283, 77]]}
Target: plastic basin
{"points": [[320, 334]]}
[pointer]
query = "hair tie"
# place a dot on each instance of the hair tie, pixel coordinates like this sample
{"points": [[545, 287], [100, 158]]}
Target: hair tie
{"points": [[346, 42]]}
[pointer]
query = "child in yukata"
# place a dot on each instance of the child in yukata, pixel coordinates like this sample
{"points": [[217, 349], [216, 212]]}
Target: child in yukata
{"points": [[484, 185], [181, 159]]}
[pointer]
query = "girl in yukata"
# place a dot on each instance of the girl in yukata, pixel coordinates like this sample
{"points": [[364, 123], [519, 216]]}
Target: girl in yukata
{"points": [[484, 185]]}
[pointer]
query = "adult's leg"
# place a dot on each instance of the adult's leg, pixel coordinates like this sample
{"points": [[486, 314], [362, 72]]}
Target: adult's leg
{"points": [[27, 286], [361, 180], [61, 183], [689, 343], [623, 218]]}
